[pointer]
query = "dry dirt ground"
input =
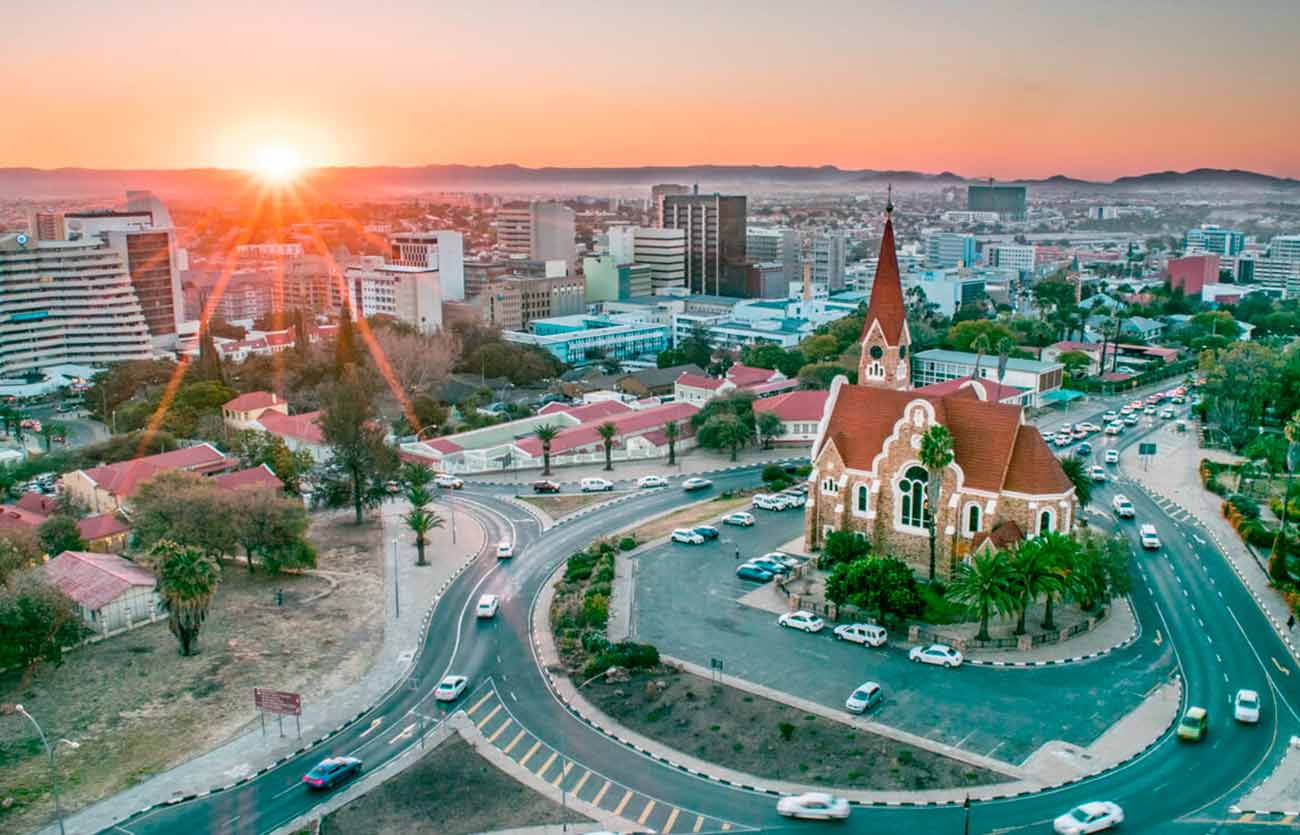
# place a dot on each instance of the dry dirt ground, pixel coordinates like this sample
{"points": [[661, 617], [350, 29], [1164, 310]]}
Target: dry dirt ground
{"points": [[768, 739], [688, 517], [559, 506], [450, 791], [135, 707]]}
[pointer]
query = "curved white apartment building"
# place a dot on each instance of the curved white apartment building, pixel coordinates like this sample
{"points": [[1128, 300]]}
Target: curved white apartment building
{"points": [[66, 302]]}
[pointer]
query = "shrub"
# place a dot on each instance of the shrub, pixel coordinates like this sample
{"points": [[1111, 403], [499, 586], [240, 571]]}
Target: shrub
{"points": [[786, 730], [774, 472], [804, 471], [595, 611], [595, 643], [1244, 505], [627, 543]]}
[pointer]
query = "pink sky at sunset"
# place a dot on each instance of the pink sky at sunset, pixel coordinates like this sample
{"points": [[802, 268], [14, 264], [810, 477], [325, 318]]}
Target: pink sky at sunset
{"points": [[999, 89]]}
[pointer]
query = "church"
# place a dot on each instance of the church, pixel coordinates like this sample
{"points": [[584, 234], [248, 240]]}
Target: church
{"points": [[1003, 485]]}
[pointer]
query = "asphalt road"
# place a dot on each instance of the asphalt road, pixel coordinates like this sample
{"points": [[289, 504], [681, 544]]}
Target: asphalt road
{"points": [[1221, 642]]}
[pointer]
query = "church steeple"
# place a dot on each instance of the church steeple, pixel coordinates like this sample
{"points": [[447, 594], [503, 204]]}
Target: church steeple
{"points": [[885, 337]]}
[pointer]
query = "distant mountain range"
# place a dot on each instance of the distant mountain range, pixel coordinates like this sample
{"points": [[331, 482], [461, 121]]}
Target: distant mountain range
{"points": [[359, 182]]}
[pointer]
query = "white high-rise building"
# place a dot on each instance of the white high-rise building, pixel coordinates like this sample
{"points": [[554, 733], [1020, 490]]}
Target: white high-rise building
{"points": [[514, 224], [830, 253], [775, 244], [662, 250], [1285, 248], [538, 231], [408, 294], [1012, 256], [442, 250], [67, 302]]}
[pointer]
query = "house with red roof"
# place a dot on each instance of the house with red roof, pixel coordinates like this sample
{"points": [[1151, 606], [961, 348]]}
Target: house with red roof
{"points": [[800, 413], [245, 409], [108, 488], [110, 592], [297, 431], [1004, 483], [103, 532]]}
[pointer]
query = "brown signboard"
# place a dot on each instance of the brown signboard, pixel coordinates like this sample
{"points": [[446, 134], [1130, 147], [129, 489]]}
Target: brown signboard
{"points": [[275, 701]]}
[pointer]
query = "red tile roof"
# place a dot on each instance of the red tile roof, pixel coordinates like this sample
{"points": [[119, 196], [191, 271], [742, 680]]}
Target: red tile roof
{"points": [[597, 409], [699, 382], [1034, 469], [762, 389], [1005, 535], [13, 517], [301, 427], [886, 304], [631, 423], [252, 400], [746, 375], [122, 479], [795, 405], [101, 526], [95, 580], [33, 502], [279, 338], [259, 475], [993, 390]]}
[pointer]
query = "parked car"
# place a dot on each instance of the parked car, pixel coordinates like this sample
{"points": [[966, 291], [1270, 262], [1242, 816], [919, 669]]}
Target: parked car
{"points": [[690, 485], [867, 634], [794, 498], [1194, 724], [940, 655], [1063, 440], [487, 606], [769, 501], [391, 487], [740, 518], [1083, 450], [1089, 817], [814, 806], [546, 486], [331, 771], [1148, 536], [651, 481], [687, 536], [782, 558], [770, 566], [595, 485], [804, 621], [1122, 506], [753, 572], [707, 531], [505, 550], [1245, 707], [450, 688], [1097, 473], [866, 696], [448, 480], [1112, 456]]}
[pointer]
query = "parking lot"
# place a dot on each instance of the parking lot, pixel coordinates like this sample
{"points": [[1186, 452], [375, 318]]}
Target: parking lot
{"points": [[687, 604]]}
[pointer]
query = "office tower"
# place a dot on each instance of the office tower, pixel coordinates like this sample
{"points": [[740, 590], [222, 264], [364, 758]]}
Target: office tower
{"points": [[47, 226], [146, 238], [657, 195], [1007, 201], [539, 231], [775, 245], [66, 302], [949, 249], [409, 294], [514, 224], [715, 235], [542, 296], [1285, 248], [607, 280], [1214, 240], [442, 250], [311, 283], [829, 255], [662, 250], [1012, 256]]}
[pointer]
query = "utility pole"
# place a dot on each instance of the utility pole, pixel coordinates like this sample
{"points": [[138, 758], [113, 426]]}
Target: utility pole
{"points": [[397, 600], [966, 807]]}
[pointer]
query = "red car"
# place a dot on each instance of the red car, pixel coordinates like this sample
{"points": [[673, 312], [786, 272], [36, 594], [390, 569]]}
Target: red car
{"points": [[545, 486]]}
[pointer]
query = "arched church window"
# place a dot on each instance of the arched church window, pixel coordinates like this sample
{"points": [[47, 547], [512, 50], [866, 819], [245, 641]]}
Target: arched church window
{"points": [[911, 492]]}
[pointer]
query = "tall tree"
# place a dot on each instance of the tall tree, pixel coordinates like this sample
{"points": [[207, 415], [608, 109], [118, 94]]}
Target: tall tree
{"points": [[1277, 558], [60, 533], [935, 455], [672, 430], [20, 549], [981, 344], [185, 509], [301, 341], [50, 430], [725, 431], [1059, 551], [345, 347], [37, 621], [420, 519], [769, 427], [545, 434], [984, 587], [187, 582], [359, 458], [271, 527], [208, 365], [607, 431], [1077, 472], [1033, 575]]}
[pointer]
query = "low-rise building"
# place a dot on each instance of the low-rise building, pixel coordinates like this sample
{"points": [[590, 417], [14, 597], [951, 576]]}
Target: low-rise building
{"points": [[576, 340], [110, 592], [800, 412], [108, 488], [244, 410], [1033, 378], [1143, 328]]}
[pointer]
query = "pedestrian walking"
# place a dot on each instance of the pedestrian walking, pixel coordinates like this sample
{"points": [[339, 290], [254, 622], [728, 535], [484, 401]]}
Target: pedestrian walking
{"points": [[1290, 622]]}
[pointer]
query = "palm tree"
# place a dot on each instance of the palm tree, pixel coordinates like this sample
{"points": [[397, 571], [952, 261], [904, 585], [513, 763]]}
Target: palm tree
{"points": [[1078, 475], [1060, 552], [187, 581], [1032, 574], [419, 519], [49, 429], [981, 344], [607, 432], [414, 473], [1003, 348], [546, 433], [1277, 568], [671, 431], [983, 586], [936, 455]]}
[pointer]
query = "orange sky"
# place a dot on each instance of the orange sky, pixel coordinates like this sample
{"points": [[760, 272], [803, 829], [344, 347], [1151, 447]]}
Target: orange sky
{"points": [[984, 89]]}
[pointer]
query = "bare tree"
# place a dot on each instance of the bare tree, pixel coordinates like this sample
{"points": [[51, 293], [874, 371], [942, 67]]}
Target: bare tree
{"points": [[421, 363]]}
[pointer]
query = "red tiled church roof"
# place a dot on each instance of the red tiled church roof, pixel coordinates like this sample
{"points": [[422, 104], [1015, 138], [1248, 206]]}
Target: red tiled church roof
{"points": [[886, 305]]}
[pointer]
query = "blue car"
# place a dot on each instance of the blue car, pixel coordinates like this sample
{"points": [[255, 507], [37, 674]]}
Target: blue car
{"points": [[330, 772], [753, 572], [707, 531], [770, 566]]}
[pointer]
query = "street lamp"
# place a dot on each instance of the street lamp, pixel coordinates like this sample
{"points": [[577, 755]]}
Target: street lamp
{"points": [[54, 774], [397, 600]]}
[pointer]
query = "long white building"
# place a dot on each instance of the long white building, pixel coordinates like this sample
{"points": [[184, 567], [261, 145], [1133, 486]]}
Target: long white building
{"points": [[67, 302], [662, 250]]}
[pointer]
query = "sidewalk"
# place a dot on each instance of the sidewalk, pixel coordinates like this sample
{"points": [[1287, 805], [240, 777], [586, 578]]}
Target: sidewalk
{"points": [[252, 752], [689, 462], [1280, 791]]}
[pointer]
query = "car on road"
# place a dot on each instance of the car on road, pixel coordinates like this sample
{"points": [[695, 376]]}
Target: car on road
{"points": [[331, 771], [1131, 420], [1089, 817], [505, 550], [450, 688], [706, 531], [794, 498], [1194, 724], [450, 481], [1149, 410], [1109, 416], [546, 486], [1097, 473], [1122, 506], [687, 536], [694, 483], [813, 806], [867, 634], [866, 696], [803, 621], [753, 572], [739, 518], [1114, 428], [1112, 456], [1245, 707], [1088, 426], [646, 481], [1063, 440], [1083, 450], [595, 485], [1148, 536], [1167, 413], [487, 606], [1126, 411], [940, 655]]}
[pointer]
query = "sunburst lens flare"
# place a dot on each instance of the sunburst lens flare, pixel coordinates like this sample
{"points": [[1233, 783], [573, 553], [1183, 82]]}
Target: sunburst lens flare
{"points": [[278, 164]]}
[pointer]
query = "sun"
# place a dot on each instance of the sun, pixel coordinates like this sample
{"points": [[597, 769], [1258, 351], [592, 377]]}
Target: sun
{"points": [[278, 163]]}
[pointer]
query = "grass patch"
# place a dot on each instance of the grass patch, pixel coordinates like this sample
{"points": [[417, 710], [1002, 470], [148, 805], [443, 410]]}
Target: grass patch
{"points": [[688, 517], [560, 506]]}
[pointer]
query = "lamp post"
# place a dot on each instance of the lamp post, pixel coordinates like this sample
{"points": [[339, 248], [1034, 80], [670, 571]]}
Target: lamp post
{"points": [[54, 774], [397, 600]]}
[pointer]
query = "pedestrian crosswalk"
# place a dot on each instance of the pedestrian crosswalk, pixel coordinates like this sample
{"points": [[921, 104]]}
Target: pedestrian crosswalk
{"points": [[501, 730], [1288, 820], [1172, 510]]}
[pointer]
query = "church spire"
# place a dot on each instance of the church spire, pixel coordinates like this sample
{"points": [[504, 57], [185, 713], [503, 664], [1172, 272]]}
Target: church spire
{"points": [[885, 338]]}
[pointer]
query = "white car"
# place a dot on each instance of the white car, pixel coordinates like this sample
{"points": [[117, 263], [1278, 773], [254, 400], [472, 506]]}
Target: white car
{"points": [[1126, 411], [505, 550], [818, 806], [1089, 817], [595, 485], [651, 481], [866, 696], [1097, 473], [782, 558], [1063, 440], [1149, 410], [450, 688], [740, 518], [806, 621], [1150, 539], [448, 480], [690, 485], [687, 536], [1122, 506], [1114, 428], [1110, 416], [793, 498], [940, 655], [867, 634], [1112, 456], [767, 501], [1166, 413], [487, 606], [1245, 707]]}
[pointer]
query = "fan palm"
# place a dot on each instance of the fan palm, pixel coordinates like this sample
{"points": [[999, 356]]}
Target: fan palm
{"points": [[187, 581], [607, 432], [546, 433], [1032, 574], [1078, 474], [936, 455], [1060, 552], [421, 520], [414, 473], [984, 587]]}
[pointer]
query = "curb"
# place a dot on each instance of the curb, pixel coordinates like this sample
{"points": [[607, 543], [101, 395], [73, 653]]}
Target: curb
{"points": [[1075, 659], [716, 471]]}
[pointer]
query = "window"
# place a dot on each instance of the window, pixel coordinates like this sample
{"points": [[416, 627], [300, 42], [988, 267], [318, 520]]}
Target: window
{"points": [[902, 352], [972, 518], [860, 503], [912, 504], [876, 370], [1045, 522], [876, 352], [828, 485]]}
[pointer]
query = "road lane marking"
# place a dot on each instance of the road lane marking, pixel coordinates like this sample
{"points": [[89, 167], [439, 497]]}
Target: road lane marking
{"points": [[1279, 666], [726, 827], [548, 762], [622, 804], [514, 741], [531, 751], [699, 822], [645, 813], [1159, 639], [286, 791], [407, 733], [600, 795], [488, 718], [582, 782], [672, 819], [564, 772], [375, 724], [480, 702], [501, 729]]}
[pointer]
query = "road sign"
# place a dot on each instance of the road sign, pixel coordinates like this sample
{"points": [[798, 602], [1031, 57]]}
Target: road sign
{"points": [[715, 663], [276, 701], [1146, 449]]}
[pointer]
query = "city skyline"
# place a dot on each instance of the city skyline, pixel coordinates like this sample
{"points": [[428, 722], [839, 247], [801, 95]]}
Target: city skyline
{"points": [[1098, 93]]}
